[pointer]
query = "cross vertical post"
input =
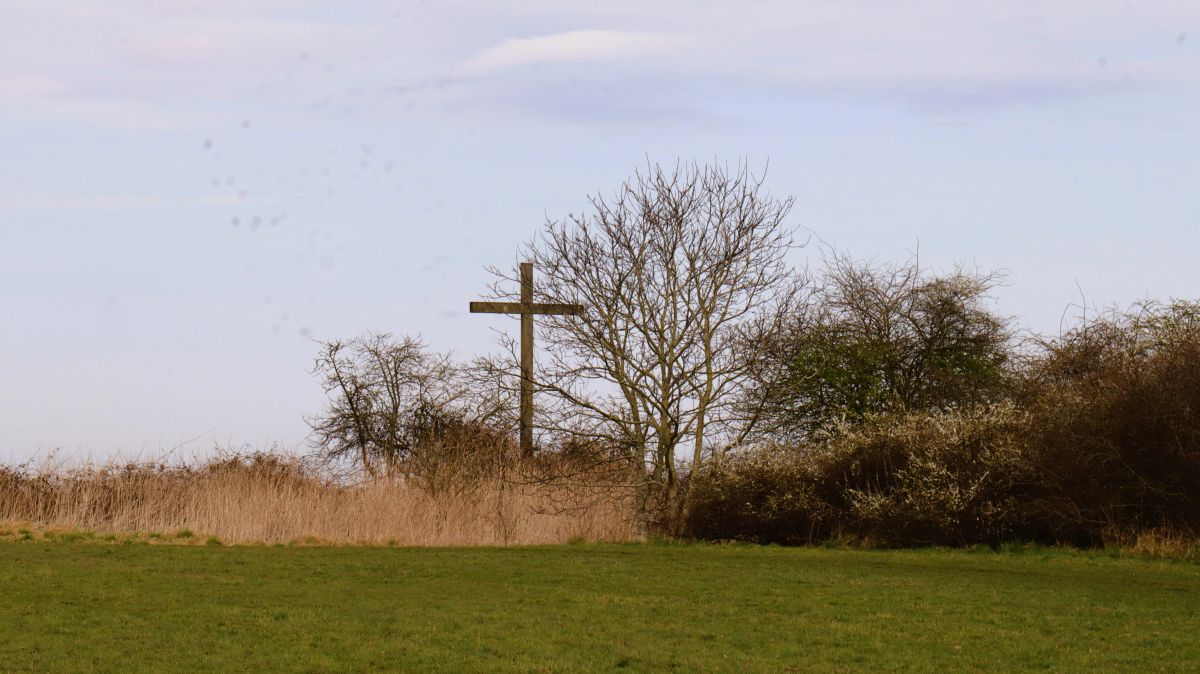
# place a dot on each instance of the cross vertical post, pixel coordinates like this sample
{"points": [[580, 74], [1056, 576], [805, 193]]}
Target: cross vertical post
{"points": [[527, 358], [527, 309]]}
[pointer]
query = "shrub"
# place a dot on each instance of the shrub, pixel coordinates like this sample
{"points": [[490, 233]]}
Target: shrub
{"points": [[917, 478], [1115, 404], [1099, 444], [765, 495], [948, 478], [451, 453]]}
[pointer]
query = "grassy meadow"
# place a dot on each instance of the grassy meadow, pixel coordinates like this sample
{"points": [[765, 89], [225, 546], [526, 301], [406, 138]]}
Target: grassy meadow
{"points": [[72, 605]]}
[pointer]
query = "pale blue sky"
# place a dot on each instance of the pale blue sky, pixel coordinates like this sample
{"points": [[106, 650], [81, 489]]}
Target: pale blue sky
{"points": [[191, 191]]}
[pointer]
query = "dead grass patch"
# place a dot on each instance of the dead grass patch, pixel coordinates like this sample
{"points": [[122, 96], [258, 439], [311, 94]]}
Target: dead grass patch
{"points": [[272, 499]]}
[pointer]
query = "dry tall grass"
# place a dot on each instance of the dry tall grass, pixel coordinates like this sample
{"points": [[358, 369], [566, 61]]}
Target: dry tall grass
{"points": [[270, 499], [1164, 542]]}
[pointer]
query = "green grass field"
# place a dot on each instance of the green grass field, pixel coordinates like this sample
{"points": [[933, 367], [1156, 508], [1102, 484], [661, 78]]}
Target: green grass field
{"points": [[87, 606]]}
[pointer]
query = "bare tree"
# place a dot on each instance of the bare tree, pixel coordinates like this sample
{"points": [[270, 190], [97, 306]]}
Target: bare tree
{"points": [[390, 399], [672, 269]]}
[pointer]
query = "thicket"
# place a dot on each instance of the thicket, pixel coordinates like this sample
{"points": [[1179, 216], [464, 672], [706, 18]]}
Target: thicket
{"points": [[739, 398], [1093, 438], [894, 408]]}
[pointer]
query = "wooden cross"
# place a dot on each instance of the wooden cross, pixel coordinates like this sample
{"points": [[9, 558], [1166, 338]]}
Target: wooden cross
{"points": [[527, 309]]}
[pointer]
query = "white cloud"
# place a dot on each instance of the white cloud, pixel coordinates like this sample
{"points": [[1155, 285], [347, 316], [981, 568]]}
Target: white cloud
{"points": [[928, 52], [140, 64], [576, 46]]}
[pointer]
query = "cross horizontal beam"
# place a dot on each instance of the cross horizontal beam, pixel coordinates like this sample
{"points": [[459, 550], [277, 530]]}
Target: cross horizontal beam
{"points": [[554, 309]]}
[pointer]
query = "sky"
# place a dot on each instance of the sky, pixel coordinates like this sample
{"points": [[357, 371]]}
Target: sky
{"points": [[193, 191]]}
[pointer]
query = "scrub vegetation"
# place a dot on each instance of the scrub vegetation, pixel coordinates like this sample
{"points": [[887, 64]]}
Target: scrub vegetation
{"points": [[708, 390], [740, 399]]}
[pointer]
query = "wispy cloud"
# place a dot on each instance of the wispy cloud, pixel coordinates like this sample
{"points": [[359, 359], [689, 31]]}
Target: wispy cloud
{"points": [[138, 64], [576, 46]]}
